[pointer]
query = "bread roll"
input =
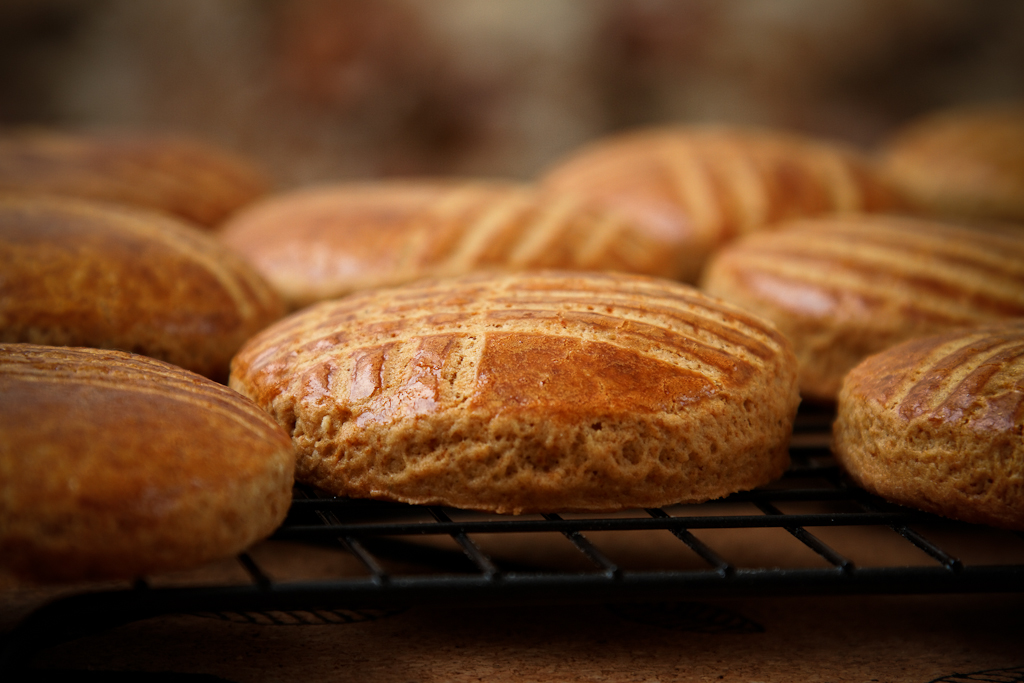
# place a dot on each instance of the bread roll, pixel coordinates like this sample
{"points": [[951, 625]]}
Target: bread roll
{"points": [[77, 273], [529, 392], [964, 162], [114, 466], [936, 422], [842, 288], [710, 184], [173, 175], [325, 242]]}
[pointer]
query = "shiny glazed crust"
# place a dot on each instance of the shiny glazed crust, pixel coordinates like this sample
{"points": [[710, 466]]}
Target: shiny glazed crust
{"points": [[962, 162], [844, 288], [181, 177], [77, 273], [936, 423], [709, 184], [114, 466], [531, 392], [325, 242]]}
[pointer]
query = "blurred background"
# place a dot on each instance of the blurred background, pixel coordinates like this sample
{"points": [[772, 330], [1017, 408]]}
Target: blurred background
{"points": [[320, 89]]}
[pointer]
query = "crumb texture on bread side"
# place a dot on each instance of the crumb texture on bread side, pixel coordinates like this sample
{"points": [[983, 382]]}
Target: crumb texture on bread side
{"points": [[114, 465], [528, 392], [937, 423]]}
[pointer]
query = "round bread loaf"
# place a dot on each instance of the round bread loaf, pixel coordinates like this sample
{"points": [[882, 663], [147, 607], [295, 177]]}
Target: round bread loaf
{"points": [[530, 392], [173, 175], [842, 288], [965, 162], [78, 273], [936, 423], [709, 184], [325, 242], [114, 466]]}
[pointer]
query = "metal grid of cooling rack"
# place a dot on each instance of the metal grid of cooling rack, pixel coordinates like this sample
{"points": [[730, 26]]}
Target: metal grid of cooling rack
{"points": [[812, 499]]}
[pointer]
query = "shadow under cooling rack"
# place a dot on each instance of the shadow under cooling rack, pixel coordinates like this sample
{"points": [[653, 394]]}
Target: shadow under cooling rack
{"points": [[810, 533]]}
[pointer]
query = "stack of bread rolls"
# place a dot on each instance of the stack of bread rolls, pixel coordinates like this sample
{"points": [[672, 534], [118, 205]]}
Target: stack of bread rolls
{"points": [[405, 401], [559, 376], [495, 345]]}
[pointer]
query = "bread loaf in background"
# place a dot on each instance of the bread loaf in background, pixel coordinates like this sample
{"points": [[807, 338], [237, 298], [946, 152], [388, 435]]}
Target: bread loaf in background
{"points": [[966, 162], [114, 465], [537, 391], [707, 185], [324, 242], [843, 288], [179, 176], [79, 273], [935, 423]]}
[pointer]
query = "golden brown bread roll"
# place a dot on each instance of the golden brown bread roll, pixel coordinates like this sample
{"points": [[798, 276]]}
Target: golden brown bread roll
{"points": [[709, 184], [78, 273], [175, 175], [936, 423], [114, 465], [528, 392], [964, 162], [842, 288], [325, 242]]}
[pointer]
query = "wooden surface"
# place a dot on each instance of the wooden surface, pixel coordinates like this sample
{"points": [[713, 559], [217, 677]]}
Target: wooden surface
{"points": [[822, 639]]}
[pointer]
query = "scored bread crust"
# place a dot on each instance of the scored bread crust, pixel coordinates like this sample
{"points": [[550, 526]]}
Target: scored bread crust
{"points": [[530, 392], [81, 273], [845, 287], [114, 465], [964, 162], [711, 183], [937, 423], [174, 175], [328, 241]]}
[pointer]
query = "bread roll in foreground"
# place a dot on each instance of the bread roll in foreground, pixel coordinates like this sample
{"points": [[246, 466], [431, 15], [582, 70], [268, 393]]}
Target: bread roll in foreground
{"points": [[966, 162], [529, 392], [709, 184], [78, 273], [843, 288], [325, 242], [936, 423], [114, 466], [173, 175]]}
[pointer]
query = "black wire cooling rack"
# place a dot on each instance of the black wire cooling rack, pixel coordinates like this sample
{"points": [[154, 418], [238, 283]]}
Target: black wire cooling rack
{"points": [[811, 533]]}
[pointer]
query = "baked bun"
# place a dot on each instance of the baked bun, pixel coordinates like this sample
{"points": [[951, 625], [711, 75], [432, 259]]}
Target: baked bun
{"points": [[528, 392], [174, 175], [78, 273], [709, 184], [114, 466], [842, 288], [325, 242], [935, 423], [965, 162]]}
